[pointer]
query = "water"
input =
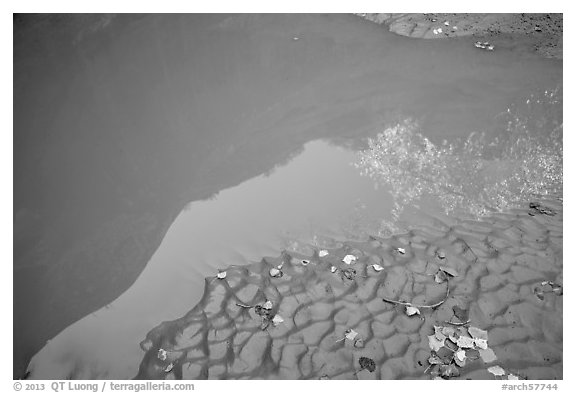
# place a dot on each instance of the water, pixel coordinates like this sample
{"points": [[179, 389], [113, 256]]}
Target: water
{"points": [[259, 134]]}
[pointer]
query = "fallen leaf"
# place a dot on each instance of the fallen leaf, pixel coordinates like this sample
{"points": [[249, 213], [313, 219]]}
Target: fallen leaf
{"points": [[169, 367], [221, 275], [348, 259], [377, 267], [333, 269], [322, 253], [496, 370], [460, 313], [276, 272], [277, 320], [449, 271], [438, 333], [472, 354], [412, 311], [460, 358], [440, 277], [350, 334], [446, 355], [481, 343], [465, 342], [460, 355], [162, 354], [448, 331], [487, 355], [401, 250], [451, 345], [267, 305], [367, 364], [434, 343], [512, 377], [478, 333], [434, 359], [449, 370]]}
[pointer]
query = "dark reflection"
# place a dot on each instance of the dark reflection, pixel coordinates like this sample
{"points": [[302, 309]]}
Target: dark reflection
{"points": [[119, 122]]}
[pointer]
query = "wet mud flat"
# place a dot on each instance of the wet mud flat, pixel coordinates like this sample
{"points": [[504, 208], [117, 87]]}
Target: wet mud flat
{"points": [[384, 308]]}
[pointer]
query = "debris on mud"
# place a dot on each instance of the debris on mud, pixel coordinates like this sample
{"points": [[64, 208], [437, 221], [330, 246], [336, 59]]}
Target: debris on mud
{"points": [[451, 347], [548, 287], [349, 274], [366, 364], [169, 368], [484, 45], [274, 272], [411, 310], [377, 267], [221, 275], [432, 306], [162, 354], [322, 253], [349, 259], [537, 208]]}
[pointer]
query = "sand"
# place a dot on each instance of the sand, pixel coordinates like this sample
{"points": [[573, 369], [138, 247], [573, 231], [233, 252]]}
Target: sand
{"points": [[540, 33], [333, 313]]}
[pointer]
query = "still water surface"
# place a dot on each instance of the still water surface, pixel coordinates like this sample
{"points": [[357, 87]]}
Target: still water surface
{"points": [[343, 78]]}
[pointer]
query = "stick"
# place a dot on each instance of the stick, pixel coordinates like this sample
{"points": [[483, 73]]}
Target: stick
{"points": [[421, 305], [458, 323], [244, 305]]}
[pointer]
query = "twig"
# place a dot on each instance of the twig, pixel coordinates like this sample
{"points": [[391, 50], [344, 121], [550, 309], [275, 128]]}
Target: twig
{"points": [[244, 305], [421, 305], [458, 323]]}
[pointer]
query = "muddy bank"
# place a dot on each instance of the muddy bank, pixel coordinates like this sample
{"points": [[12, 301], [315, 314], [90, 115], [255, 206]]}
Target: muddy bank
{"points": [[119, 122], [323, 316], [531, 33]]}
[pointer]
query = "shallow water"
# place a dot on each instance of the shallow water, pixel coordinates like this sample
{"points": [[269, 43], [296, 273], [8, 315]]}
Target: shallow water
{"points": [[236, 97]]}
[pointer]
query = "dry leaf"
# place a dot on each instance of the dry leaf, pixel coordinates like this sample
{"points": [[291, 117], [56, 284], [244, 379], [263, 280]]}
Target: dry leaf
{"points": [[169, 367], [439, 334], [221, 275], [481, 343], [449, 271], [162, 354], [322, 253], [367, 364], [348, 259], [440, 277], [277, 320], [350, 334], [333, 269], [487, 355], [478, 333], [401, 250], [267, 305], [460, 358], [410, 310], [434, 359], [377, 267], [276, 272], [434, 343], [460, 355], [512, 377], [449, 370], [497, 371], [465, 342], [460, 313]]}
